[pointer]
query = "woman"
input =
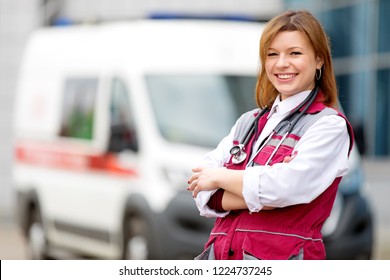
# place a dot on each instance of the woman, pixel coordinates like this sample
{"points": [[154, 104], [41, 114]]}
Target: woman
{"points": [[274, 190]]}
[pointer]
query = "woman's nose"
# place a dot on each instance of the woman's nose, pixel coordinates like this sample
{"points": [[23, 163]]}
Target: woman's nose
{"points": [[282, 61]]}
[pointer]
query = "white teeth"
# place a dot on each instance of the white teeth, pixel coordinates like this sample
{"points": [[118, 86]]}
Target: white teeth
{"points": [[285, 76]]}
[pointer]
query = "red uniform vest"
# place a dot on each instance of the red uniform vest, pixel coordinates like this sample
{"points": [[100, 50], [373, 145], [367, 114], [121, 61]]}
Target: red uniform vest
{"points": [[292, 232]]}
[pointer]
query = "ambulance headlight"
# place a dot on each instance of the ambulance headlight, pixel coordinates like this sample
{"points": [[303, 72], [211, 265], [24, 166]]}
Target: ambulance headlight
{"points": [[177, 178]]}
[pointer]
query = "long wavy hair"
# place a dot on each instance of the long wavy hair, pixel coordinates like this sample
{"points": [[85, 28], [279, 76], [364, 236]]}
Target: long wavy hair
{"points": [[304, 22]]}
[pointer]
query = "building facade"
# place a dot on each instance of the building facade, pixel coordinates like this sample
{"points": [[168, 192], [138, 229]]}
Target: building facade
{"points": [[361, 54]]}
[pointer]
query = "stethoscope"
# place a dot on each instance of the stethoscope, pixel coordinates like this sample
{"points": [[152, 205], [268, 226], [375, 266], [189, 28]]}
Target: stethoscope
{"points": [[288, 122]]}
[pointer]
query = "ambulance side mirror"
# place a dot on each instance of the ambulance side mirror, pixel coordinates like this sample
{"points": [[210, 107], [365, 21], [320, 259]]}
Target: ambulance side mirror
{"points": [[122, 138]]}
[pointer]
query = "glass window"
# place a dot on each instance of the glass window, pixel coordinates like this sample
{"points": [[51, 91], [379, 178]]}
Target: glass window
{"points": [[78, 108], [382, 139], [199, 109], [123, 134], [384, 21], [348, 29]]}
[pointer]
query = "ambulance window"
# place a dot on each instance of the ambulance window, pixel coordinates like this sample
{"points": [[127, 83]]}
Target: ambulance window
{"points": [[123, 134], [78, 108], [199, 109]]}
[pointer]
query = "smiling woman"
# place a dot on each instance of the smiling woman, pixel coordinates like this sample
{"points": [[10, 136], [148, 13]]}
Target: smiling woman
{"points": [[274, 202]]}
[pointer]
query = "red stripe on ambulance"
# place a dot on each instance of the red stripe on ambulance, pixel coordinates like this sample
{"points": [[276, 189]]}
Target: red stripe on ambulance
{"points": [[51, 157]]}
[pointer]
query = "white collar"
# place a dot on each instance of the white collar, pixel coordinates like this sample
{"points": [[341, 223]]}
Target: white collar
{"points": [[283, 107]]}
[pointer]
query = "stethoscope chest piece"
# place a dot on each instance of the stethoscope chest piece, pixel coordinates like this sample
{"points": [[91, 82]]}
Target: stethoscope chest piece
{"points": [[237, 151]]}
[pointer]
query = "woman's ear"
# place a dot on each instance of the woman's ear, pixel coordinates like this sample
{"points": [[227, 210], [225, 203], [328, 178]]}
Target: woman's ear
{"points": [[320, 62]]}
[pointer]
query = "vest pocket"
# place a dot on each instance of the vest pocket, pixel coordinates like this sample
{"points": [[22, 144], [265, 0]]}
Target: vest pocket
{"points": [[249, 257], [272, 246], [266, 152]]}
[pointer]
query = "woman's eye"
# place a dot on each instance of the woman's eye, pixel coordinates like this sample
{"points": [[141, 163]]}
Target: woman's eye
{"points": [[271, 54], [296, 53]]}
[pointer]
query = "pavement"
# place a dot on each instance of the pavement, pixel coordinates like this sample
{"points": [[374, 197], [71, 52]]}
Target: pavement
{"points": [[12, 244], [377, 173]]}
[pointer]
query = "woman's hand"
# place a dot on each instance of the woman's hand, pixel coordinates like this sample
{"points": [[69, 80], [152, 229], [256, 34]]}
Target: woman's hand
{"points": [[206, 179]]}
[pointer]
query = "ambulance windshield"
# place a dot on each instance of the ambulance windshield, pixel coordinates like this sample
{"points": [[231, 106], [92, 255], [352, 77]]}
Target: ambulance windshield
{"points": [[199, 109]]}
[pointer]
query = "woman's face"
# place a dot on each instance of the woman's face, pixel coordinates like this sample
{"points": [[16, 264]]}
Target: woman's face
{"points": [[291, 63]]}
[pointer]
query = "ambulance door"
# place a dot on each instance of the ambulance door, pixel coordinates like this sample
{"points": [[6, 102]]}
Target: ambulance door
{"points": [[87, 195]]}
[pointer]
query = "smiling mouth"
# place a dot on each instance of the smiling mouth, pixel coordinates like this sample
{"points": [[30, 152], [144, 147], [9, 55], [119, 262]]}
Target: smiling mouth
{"points": [[285, 76]]}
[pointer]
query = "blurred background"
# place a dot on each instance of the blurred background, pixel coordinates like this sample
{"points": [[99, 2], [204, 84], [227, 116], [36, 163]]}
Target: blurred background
{"points": [[358, 30]]}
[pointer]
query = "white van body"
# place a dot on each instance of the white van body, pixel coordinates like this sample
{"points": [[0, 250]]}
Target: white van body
{"points": [[76, 194]]}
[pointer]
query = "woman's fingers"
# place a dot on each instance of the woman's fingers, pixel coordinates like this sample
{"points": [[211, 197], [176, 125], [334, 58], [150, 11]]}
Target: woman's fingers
{"points": [[197, 169], [192, 185], [203, 179]]}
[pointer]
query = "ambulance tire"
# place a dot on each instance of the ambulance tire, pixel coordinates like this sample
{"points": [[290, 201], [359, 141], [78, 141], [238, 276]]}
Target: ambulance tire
{"points": [[137, 245], [36, 237]]}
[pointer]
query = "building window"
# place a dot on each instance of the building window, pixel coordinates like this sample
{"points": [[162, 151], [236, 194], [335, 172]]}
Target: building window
{"points": [[384, 38]]}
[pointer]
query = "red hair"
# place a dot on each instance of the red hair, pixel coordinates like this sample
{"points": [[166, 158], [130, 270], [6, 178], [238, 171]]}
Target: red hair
{"points": [[304, 22]]}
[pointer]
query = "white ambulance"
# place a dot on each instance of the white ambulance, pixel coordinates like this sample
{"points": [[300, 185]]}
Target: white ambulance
{"points": [[109, 121]]}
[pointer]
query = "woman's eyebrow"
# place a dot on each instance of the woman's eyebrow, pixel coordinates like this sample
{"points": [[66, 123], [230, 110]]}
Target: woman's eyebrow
{"points": [[290, 48]]}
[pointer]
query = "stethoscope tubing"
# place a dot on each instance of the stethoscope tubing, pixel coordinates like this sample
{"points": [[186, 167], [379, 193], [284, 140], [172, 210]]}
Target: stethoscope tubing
{"points": [[290, 120]]}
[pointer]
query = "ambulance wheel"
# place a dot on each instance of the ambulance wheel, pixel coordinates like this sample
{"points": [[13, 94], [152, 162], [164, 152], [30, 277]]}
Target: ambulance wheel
{"points": [[137, 241], [36, 237]]}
